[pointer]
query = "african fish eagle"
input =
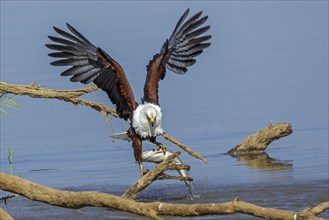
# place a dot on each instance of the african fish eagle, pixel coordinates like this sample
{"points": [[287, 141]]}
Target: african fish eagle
{"points": [[92, 64]]}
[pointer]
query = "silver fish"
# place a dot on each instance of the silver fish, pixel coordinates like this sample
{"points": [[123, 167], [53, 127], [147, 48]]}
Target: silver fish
{"points": [[157, 156]]}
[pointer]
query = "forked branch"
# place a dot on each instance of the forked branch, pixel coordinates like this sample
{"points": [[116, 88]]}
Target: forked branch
{"points": [[155, 173]]}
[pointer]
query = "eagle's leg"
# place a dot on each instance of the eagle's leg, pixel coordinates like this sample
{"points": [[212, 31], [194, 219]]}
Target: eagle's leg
{"points": [[159, 145], [137, 145], [141, 169]]}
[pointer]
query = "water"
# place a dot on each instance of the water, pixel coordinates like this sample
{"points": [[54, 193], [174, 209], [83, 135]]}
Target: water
{"points": [[268, 63]]}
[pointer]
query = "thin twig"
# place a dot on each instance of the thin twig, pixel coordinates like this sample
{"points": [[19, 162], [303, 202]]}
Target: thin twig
{"points": [[6, 198]]}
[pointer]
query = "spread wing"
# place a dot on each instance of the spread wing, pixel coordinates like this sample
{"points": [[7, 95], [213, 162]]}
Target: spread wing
{"points": [[177, 53], [92, 64]]}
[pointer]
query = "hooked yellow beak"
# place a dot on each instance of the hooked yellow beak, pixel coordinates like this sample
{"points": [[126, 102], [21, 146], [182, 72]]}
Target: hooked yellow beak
{"points": [[152, 121]]}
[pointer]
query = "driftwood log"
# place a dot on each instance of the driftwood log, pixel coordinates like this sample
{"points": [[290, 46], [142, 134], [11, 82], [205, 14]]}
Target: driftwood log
{"points": [[259, 141], [153, 210]]}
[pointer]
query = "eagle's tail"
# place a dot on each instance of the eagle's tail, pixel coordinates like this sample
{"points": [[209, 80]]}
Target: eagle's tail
{"points": [[122, 136]]}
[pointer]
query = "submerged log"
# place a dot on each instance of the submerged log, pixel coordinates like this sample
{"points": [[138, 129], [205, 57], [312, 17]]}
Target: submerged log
{"points": [[259, 141]]}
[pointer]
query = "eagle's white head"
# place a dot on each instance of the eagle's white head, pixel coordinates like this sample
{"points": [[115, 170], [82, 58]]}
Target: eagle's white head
{"points": [[147, 120], [150, 113]]}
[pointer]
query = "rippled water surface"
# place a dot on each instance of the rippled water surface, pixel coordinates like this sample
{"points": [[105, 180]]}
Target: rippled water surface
{"points": [[268, 63]]}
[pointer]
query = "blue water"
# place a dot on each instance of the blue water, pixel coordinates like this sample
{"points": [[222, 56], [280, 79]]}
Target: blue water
{"points": [[268, 63]]}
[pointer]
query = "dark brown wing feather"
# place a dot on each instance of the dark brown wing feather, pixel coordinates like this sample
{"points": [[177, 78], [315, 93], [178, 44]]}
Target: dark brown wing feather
{"points": [[177, 53], [92, 64]]}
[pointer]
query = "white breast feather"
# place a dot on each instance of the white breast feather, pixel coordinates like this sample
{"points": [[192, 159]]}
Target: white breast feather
{"points": [[141, 124]]}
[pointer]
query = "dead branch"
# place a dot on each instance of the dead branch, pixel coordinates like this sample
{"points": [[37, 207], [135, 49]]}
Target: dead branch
{"points": [[35, 91], [77, 200], [313, 211], [259, 141], [70, 199], [164, 176], [152, 175], [184, 147], [4, 215]]}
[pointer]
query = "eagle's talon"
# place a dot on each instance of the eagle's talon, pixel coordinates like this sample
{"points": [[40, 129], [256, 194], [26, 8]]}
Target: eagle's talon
{"points": [[162, 147], [143, 172]]}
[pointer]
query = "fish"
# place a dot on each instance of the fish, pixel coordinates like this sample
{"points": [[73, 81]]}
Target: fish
{"points": [[158, 155]]}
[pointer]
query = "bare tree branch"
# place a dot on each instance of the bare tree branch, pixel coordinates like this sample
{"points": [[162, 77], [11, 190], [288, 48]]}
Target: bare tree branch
{"points": [[77, 200], [35, 91], [184, 147], [313, 211], [4, 215], [164, 176], [152, 175], [71, 199]]}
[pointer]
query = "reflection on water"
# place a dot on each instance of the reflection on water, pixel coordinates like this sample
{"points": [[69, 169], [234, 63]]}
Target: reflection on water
{"points": [[261, 161]]}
